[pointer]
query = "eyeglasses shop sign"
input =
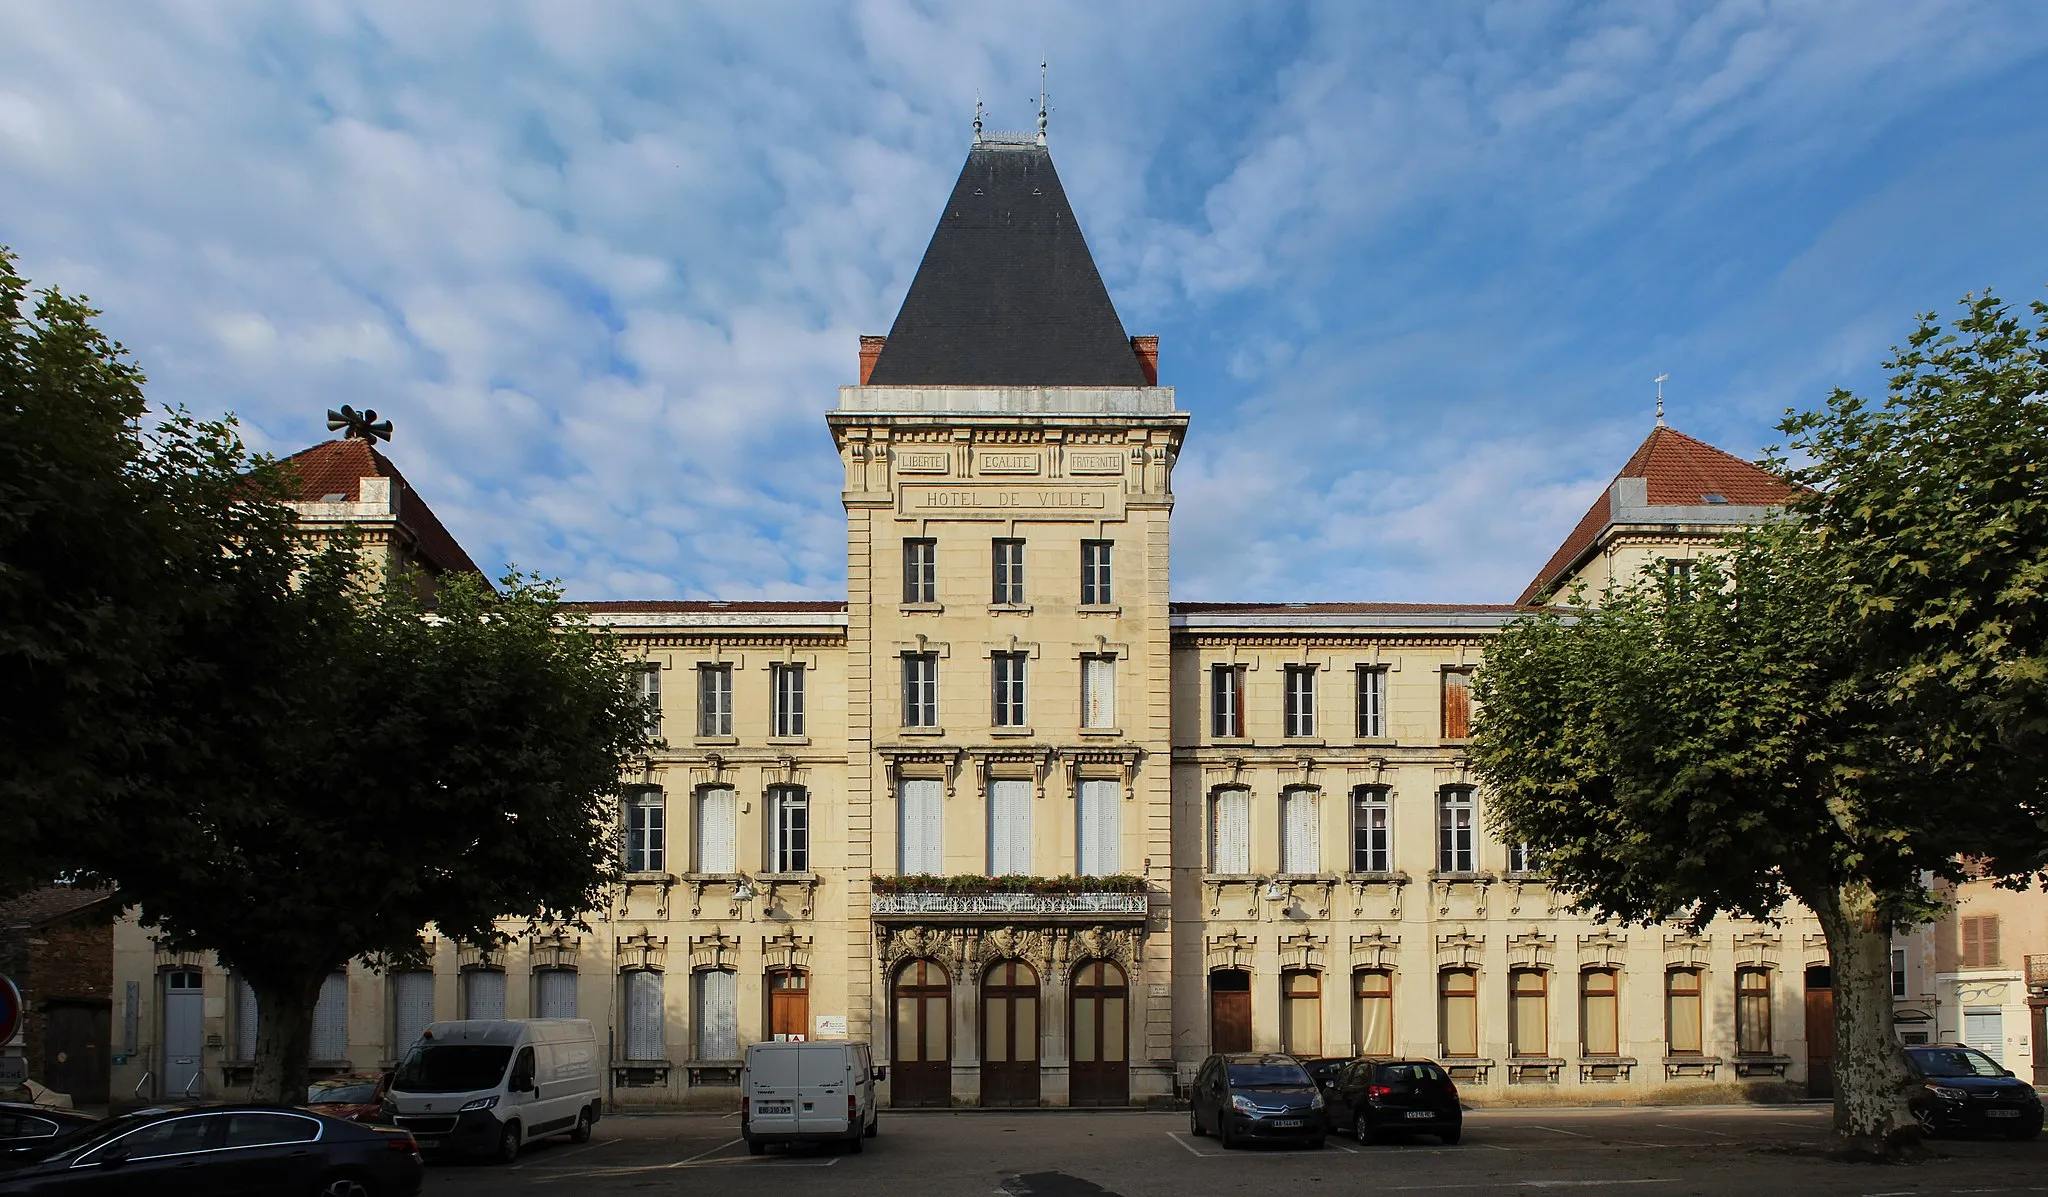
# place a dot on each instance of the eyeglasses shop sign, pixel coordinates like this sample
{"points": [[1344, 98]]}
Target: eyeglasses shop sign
{"points": [[1011, 502]]}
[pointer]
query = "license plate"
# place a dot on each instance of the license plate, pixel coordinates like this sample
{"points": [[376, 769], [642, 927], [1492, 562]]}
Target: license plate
{"points": [[1421, 1114], [1287, 1122], [772, 1107], [2001, 1113]]}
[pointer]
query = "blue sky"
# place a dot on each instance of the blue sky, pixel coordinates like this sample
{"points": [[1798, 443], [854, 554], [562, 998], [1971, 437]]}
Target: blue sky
{"points": [[1412, 266]]}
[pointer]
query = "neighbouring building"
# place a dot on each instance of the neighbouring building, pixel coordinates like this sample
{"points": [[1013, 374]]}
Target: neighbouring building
{"points": [[1041, 834], [56, 944]]}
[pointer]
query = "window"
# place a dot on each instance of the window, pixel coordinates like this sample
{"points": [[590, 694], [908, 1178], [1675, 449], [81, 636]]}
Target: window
{"points": [[1008, 672], [247, 1128], [330, 1019], [554, 993], [1980, 941], [646, 831], [1372, 847], [172, 1136], [1457, 704], [790, 820], [1301, 844], [648, 681], [920, 571], [1753, 1011], [245, 1020], [1682, 1012], [1458, 1012], [717, 808], [789, 699], [920, 818], [1301, 1024], [1521, 859], [1678, 573], [1372, 702], [1230, 831], [1009, 826], [483, 993], [920, 689], [1301, 700], [644, 1020], [1898, 972], [1099, 830], [1226, 701], [1454, 830], [714, 700], [1008, 569], [1095, 589], [1098, 692], [1599, 1013], [1528, 1012], [718, 1014], [1374, 990], [412, 1009]]}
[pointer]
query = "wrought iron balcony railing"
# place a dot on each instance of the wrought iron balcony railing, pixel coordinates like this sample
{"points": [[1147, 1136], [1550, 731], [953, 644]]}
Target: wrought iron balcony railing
{"points": [[942, 904]]}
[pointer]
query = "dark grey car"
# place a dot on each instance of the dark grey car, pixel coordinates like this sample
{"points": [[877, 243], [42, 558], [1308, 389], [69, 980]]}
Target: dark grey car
{"points": [[1249, 1096], [220, 1151]]}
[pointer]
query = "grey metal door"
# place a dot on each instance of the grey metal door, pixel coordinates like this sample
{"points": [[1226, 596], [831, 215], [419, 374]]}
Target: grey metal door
{"points": [[184, 1034]]}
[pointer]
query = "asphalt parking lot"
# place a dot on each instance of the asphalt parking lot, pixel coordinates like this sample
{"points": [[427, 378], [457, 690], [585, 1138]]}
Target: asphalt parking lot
{"points": [[1755, 1150]]}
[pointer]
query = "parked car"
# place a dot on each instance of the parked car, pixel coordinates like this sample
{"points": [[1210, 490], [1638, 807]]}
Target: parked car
{"points": [[220, 1151], [1381, 1099], [490, 1086], [353, 1097], [1960, 1089], [796, 1092], [1321, 1068], [1252, 1096], [24, 1125]]}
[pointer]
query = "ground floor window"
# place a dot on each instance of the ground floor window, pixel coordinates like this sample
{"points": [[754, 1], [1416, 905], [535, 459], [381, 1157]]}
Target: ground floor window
{"points": [[1753, 1011], [554, 993], [1458, 1011], [1682, 1012], [1528, 1012], [412, 1009], [644, 1016], [483, 993], [1374, 991], [1301, 1024], [1599, 1013], [718, 1015], [330, 1019]]}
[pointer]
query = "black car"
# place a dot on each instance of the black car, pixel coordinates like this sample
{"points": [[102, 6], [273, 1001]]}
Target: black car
{"points": [[1253, 1096], [1385, 1099], [220, 1151], [1959, 1088], [25, 1127]]}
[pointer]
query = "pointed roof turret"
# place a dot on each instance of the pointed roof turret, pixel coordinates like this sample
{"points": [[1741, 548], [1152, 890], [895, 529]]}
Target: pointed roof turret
{"points": [[1008, 294]]}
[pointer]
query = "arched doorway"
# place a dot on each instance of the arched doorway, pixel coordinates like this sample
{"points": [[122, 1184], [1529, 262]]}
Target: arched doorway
{"points": [[1009, 1035], [789, 1004], [921, 1050], [1230, 1010], [1101, 1073]]}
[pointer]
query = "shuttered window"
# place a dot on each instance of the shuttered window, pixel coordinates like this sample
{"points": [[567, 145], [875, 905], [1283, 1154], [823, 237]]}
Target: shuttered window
{"points": [[1753, 1011], [1301, 700], [646, 831], [412, 1009], [1095, 588], [920, 571], [1007, 672], [1230, 831], [245, 1020], [790, 814], [1301, 841], [1458, 1011], [1454, 809], [1984, 1029], [649, 679], [714, 700], [717, 812], [1528, 1012], [1599, 1014], [330, 1019], [1009, 827], [787, 684], [920, 689], [644, 1018], [1375, 994], [483, 993], [1100, 830], [1682, 1033], [1372, 847], [920, 818], [1372, 702], [1457, 704], [1098, 692], [1980, 941], [718, 1015], [1226, 701], [554, 993]]}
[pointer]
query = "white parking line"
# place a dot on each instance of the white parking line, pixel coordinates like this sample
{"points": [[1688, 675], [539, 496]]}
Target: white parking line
{"points": [[1557, 1131], [1189, 1147], [1700, 1129]]}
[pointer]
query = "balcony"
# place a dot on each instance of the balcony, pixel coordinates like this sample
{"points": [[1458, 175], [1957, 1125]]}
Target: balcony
{"points": [[1004, 899], [2037, 972]]}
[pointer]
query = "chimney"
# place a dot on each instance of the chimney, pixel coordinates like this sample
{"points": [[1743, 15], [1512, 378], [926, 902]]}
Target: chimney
{"points": [[1147, 349], [870, 349]]}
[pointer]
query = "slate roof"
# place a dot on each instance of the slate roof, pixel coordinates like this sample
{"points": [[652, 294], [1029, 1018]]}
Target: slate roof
{"points": [[708, 606], [338, 468], [1345, 609], [1007, 294], [1680, 471]]}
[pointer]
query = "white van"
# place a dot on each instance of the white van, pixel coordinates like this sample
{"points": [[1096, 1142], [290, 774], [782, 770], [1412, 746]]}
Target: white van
{"points": [[808, 1092], [489, 1086]]}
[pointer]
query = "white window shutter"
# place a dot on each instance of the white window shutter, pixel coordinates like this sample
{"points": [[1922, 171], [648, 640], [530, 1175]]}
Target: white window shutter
{"points": [[1009, 811], [1301, 839], [555, 993], [1231, 849], [716, 837], [483, 994], [245, 1020], [718, 1016], [1098, 692], [330, 1019], [921, 817], [1101, 828], [644, 1016], [412, 1002]]}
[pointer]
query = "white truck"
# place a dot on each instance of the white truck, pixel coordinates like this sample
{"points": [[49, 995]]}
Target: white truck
{"points": [[795, 1092], [491, 1086]]}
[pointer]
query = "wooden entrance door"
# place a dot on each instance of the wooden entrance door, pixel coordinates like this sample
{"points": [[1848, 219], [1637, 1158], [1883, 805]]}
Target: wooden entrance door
{"points": [[2039, 1013], [921, 1050], [1101, 1073], [1820, 1031], [1230, 1010], [1009, 1035], [789, 1005], [75, 1041]]}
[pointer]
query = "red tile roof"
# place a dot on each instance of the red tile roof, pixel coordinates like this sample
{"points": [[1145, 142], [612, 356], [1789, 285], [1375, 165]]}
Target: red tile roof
{"points": [[1680, 471], [338, 467]]}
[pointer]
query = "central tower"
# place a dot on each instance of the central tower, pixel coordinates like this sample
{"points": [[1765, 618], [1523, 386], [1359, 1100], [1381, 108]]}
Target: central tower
{"points": [[1008, 458]]}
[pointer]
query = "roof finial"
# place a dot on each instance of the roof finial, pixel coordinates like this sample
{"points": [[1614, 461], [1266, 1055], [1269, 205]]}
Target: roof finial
{"points": [[1042, 109], [1661, 379], [977, 116]]}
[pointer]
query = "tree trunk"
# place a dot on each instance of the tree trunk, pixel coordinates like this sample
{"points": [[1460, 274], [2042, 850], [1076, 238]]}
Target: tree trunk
{"points": [[284, 1037], [1870, 1066]]}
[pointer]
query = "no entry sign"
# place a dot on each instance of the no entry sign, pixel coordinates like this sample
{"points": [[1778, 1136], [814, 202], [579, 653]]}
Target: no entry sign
{"points": [[10, 1009]]}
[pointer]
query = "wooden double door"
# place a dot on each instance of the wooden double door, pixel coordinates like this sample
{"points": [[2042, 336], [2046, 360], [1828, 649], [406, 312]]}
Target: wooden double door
{"points": [[1009, 1035], [921, 1047], [1099, 1072]]}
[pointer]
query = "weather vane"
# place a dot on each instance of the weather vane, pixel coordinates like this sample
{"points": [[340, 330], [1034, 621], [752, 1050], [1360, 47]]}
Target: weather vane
{"points": [[1042, 109], [359, 425], [977, 116], [1660, 380]]}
